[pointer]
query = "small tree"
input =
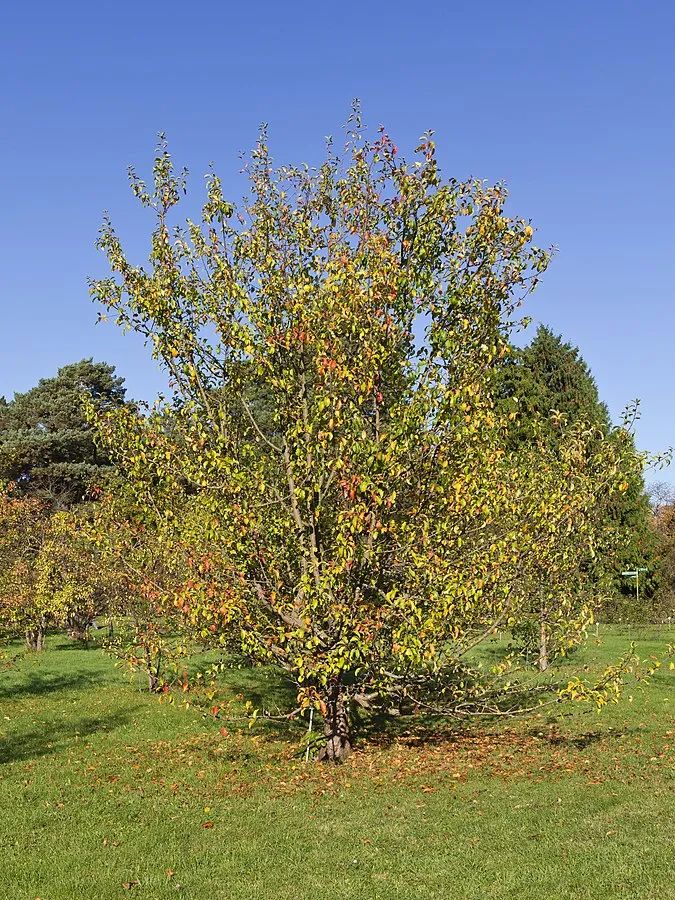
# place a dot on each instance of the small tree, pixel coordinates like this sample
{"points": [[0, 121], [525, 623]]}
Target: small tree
{"points": [[49, 458], [72, 572], [24, 609], [372, 533], [550, 387], [51, 574], [128, 573], [663, 605]]}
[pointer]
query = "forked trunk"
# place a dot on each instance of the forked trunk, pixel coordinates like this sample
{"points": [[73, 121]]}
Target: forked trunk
{"points": [[336, 728], [35, 637]]}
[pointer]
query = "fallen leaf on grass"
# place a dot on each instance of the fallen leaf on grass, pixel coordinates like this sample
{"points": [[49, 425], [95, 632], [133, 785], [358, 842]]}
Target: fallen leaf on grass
{"points": [[128, 885], [207, 824]]}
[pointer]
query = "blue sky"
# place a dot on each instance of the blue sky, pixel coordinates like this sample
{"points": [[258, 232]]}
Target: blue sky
{"points": [[571, 104]]}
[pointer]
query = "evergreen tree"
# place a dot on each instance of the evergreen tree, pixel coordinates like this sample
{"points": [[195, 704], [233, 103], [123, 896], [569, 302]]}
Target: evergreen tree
{"points": [[548, 381], [46, 445]]}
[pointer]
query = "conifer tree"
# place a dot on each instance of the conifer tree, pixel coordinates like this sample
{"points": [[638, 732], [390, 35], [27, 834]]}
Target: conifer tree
{"points": [[46, 445], [546, 378]]}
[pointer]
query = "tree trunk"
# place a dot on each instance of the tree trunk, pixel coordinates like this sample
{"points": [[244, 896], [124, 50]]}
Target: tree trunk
{"points": [[35, 637], [152, 670], [336, 728], [543, 647], [79, 631]]}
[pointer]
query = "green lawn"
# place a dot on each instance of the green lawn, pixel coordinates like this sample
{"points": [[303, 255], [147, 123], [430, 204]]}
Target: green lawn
{"points": [[106, 792]]}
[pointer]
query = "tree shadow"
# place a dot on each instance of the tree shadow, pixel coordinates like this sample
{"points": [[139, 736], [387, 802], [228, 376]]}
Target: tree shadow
{"points": [[493, 654], [384, 730], [418, 729], [50, 738], [37, 684], [266, 688], [421, 732], [587, 738], [74, 644]]}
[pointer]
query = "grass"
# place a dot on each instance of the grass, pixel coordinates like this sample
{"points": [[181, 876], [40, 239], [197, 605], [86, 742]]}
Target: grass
{"points": [[106, 792]]}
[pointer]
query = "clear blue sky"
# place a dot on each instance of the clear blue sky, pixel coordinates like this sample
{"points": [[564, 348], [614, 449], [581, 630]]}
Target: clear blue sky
{"points": [[571, 103]]}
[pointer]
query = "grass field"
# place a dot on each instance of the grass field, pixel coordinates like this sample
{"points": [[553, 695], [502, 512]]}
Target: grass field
{"points": [[106, 792]]}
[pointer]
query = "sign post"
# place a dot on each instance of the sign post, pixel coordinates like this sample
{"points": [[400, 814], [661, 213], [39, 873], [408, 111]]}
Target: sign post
{"points": [[635, 573]]}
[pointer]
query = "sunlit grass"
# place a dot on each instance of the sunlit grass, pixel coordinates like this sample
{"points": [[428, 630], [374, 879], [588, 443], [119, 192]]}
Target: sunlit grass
{"points": [[106, 792]]}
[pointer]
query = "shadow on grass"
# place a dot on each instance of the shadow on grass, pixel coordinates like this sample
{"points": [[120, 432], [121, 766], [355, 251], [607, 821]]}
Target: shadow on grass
{"points": [[76, 645], [587, 738], [266, 688], [37, 684], [384, 730], [52, 737], [493, 654]]}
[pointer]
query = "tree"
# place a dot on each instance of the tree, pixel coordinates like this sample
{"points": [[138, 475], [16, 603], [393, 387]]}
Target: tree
{"points": [[371, 539], [71, 572], [549, 386], [664, 606], [548, 381], [46, 445], [24, 609], [127, 546], [661, 495]]}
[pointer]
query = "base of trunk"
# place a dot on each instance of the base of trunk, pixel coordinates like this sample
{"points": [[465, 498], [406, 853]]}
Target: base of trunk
{"points": [[35, 639], [79, 634], [338, 744]]}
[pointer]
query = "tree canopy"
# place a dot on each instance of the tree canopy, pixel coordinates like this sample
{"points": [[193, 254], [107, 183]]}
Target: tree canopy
{"points": [[376, 530], [46, 444]]}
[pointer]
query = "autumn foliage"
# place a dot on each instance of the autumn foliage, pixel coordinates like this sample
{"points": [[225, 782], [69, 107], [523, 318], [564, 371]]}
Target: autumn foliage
{"points": [[371, 530]]}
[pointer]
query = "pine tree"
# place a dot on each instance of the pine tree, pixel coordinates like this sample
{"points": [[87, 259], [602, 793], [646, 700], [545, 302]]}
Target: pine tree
{"points": [[46, 445]]}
